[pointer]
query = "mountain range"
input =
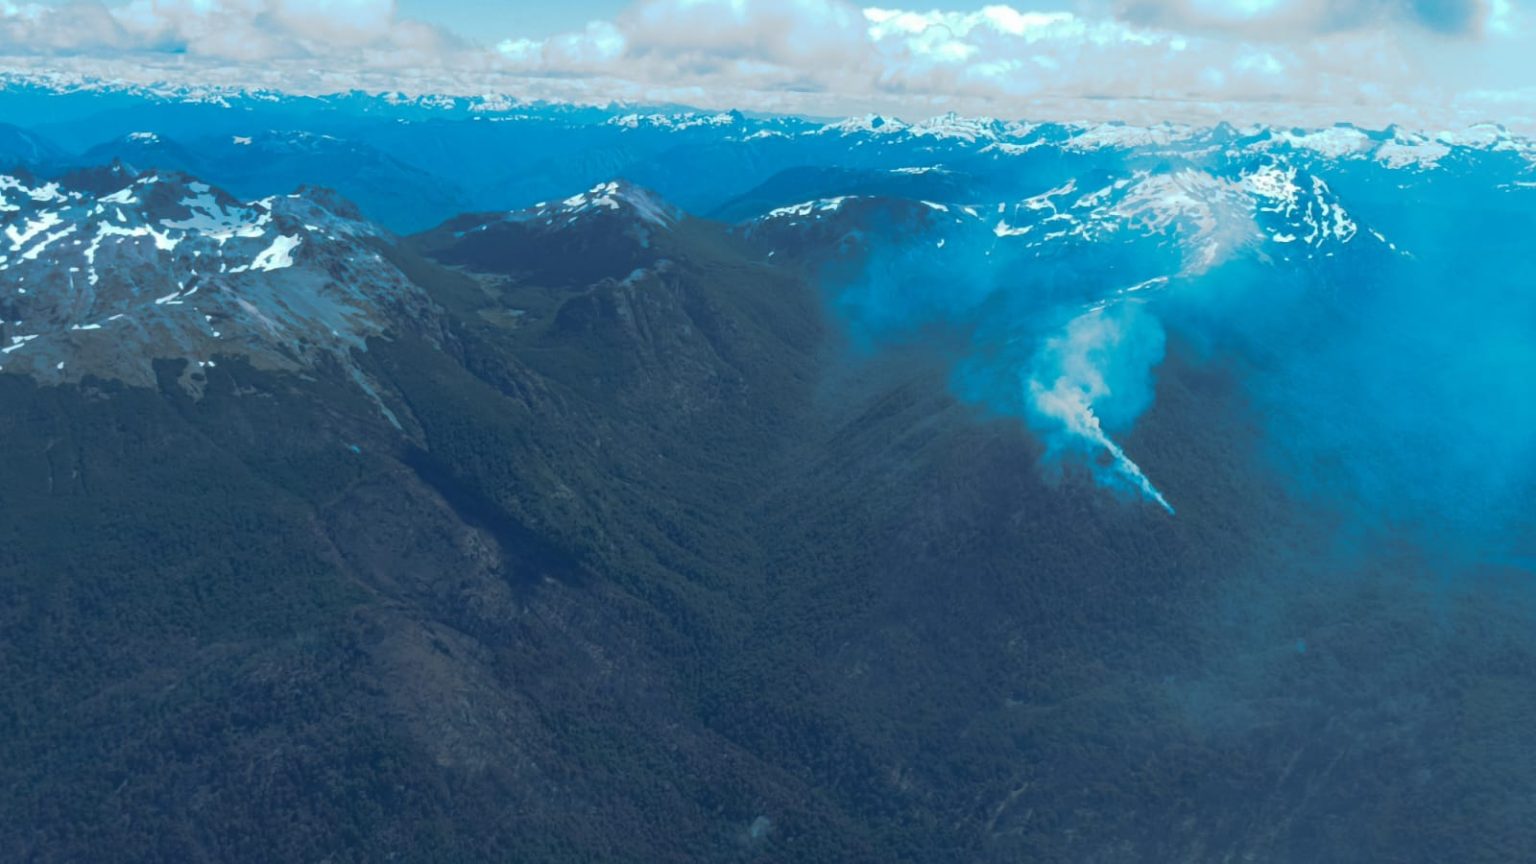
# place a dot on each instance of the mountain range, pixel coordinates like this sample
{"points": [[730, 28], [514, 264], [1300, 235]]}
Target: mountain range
{"points": [[465, 480]]}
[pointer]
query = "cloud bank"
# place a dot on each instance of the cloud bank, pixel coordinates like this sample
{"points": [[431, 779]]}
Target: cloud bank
{"points": [[1413, 61]]}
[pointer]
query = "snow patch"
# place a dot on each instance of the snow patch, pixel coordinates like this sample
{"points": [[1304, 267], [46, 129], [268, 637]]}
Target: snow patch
{"points": [[277, 256]]}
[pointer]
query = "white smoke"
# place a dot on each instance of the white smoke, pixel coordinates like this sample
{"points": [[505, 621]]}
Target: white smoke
{"points": [[1097, 373]]}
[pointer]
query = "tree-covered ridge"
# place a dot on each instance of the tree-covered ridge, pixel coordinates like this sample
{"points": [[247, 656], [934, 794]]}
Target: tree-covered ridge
{"points": [[663, 539]]}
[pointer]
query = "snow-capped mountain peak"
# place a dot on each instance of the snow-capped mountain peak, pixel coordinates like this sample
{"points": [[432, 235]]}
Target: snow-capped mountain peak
{"points": [[614, 197], [869, 124]]}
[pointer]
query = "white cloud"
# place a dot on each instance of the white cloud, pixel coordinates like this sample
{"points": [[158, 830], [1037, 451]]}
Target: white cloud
{"points": [[230, 30], [600, 43], [1314, 60], [1419, 62]]}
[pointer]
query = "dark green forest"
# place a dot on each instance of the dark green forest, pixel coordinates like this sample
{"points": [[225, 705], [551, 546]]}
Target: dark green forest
{"points": [[667, 569]]}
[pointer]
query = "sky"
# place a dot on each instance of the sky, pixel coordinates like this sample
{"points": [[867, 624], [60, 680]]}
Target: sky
{"points": [[1425, 64]]}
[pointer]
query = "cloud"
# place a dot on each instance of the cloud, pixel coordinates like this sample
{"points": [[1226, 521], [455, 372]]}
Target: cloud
{"points": [[732, 45], [33, 28], [246, 31], [1314, 60], [1416, 62], [1284, 19]]}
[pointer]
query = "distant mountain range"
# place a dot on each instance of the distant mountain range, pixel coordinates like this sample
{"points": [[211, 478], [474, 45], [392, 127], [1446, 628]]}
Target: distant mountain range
{"points": [[411, 163]]}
